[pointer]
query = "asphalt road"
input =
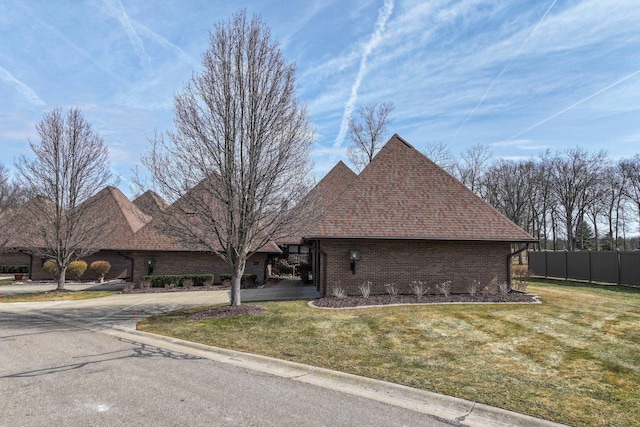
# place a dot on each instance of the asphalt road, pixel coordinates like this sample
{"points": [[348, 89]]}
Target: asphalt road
{"points": [[53, 374]]}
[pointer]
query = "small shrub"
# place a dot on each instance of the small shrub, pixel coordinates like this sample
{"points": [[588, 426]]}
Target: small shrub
{"points": [[161, 281], [444, 288], [365, 289], [392, 289], [503, 287], [208, 282], [338, 291], [14, 269], [76, 269], [128, 288], [145, 284], [520, 275], [100, 268], [187, 283], [474, 288], [51, 267], [418, 288]]}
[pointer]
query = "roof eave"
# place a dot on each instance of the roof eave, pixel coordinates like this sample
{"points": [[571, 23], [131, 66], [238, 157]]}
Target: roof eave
{"points": [[439, 239]]}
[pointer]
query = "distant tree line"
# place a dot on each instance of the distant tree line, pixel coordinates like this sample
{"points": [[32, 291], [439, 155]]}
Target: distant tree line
{"points": [[574, 199]]}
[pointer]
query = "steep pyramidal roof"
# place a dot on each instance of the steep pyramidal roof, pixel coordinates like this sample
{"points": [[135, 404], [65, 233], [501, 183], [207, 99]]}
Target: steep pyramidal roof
{"points": [[402, 194], [332, 184], [156, 235], [150, 203], [323, 194], [125, 219], [22, 224]]}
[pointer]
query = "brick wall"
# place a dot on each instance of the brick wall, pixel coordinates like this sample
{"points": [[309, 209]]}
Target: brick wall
{"points": [[402, 261], [193, 263], [120, 266], [14, 258]]}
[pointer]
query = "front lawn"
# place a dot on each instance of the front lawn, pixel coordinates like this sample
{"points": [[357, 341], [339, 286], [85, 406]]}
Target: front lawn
{"points": [[574, 359], [55, 296]]}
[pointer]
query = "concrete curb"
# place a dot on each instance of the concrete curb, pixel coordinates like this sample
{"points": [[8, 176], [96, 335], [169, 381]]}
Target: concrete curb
{"points": [[455, 410]]}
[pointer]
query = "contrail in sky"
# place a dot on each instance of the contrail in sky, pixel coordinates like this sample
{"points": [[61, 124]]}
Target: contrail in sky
{"points": [[575, 104], [133, 29], [503, 71], [25, 90], [118, 11], [383, 16]]}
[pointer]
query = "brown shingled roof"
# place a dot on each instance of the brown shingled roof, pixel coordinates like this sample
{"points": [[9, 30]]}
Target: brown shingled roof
{"points": [[402, 194], [325, 192], [150, 203], [157, 237], [333, 184], [125, 218]]}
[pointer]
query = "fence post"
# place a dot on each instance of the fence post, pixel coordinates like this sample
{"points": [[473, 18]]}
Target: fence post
{"points": [[618, 262], [566, 264], [589, 265]]}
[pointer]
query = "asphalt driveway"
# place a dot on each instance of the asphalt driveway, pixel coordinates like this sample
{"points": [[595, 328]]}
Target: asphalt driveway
{"points": [[83, 363]]}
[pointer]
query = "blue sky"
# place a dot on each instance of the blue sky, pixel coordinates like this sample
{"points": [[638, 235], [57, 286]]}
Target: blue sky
{"points": [[517, 76]]}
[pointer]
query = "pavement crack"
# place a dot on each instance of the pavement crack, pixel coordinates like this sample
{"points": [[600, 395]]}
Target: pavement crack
{"points": [[461, 418], [304, 374]]}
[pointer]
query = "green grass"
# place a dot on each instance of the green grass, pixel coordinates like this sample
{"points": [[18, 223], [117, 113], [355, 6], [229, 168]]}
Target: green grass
{"points": [[574, 359], [55, 296]]}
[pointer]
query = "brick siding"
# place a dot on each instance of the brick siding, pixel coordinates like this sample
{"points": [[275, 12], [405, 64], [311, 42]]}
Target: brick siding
{"points": [[193, 263], [14, 258], [403, 261]]}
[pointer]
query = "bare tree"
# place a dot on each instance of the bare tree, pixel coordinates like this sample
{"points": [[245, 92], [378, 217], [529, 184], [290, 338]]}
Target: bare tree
{"points": [[238, 162], [440, 154], [11, 196], [572, 175], [472, 166], [70, 166], [367, 133], [509, 187], [11, 193], [631, 171]]}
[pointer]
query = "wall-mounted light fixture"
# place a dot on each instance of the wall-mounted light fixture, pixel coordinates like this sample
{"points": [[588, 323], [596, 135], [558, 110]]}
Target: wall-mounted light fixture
{"points": [[354, 256], [150, 262]]}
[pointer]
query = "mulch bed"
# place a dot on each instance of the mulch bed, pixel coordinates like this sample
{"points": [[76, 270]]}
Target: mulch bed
{"points": [[228, 311], [355, 301]]}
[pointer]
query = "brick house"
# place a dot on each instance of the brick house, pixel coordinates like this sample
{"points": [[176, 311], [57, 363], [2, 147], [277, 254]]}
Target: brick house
{"points": [[403, 219], [125, 219], [132, 245]]}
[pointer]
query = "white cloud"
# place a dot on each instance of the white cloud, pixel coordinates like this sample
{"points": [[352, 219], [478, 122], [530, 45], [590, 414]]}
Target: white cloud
{"points": [[116, 10], [28, 93]]}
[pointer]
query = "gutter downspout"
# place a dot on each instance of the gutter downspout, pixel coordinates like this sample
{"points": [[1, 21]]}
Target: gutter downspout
{"points": [[30, 266], [511, 255]]}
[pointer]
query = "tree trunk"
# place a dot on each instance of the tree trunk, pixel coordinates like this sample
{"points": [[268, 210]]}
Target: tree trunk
{"points": [[569, 224], [235, 289], [63, 272], [236, 280]]}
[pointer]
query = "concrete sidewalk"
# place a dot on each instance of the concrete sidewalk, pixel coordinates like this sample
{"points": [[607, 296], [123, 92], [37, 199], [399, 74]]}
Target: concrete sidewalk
{"points": [[116, 316]]}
